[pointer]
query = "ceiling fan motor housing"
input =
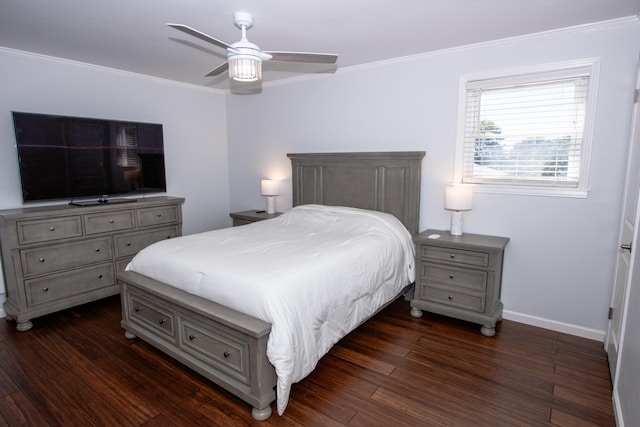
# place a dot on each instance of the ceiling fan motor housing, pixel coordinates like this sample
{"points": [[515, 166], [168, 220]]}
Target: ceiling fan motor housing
{"points": [[243, 19]]}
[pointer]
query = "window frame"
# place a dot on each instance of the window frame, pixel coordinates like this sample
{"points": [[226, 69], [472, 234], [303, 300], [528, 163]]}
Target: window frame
{"points": [[532, 74]]}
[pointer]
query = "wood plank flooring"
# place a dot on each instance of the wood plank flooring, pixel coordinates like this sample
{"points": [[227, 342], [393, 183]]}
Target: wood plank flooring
{"points": [[75, 368]]}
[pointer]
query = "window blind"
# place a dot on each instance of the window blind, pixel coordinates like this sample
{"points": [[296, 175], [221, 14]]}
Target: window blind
{"points": [[525, 130]]}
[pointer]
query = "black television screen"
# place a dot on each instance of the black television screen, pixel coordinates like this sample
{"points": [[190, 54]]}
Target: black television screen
{"points": [[63, 157]]}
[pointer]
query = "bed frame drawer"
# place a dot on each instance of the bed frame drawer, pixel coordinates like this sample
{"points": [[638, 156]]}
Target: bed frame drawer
{"points": [[150, 314], [219, 347]]}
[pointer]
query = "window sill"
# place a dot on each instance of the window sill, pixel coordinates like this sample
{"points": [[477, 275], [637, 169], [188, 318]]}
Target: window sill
{"points": [[575, 193]]}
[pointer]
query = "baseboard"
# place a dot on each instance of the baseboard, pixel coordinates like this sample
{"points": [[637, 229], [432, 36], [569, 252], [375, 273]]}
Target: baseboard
{"points": [[553, 325], [3, 298]]}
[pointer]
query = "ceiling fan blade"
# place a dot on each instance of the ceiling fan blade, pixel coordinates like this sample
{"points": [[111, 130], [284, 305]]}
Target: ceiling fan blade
{"points": [[218, 70], [323, 58], [202, 36]]}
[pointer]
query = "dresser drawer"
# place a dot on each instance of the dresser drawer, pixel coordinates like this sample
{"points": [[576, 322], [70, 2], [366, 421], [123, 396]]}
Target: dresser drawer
{"points": [[131, 244], [110, 221], [65, 256], [453, 298], [122, 263], [158, 215], [222, 348], [144, 311], [458, 256], [34, 231], [64, 285], [453, 276]]}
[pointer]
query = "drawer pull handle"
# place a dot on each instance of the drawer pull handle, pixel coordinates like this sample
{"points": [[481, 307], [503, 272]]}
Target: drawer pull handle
{"points": [[41, 260], [137, 309], [97, 249], [158, 215], [168, 237], [451, 276], [226, 354], [162, 321], [45, 289], [52, 229], [453, 255], [128, 243], [110, 221], [450, 297], [100, 276], [192, 337]]}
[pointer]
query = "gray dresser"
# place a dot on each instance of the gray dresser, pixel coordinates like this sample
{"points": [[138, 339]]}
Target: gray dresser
{"points": [[56, 257], [459, 276]]}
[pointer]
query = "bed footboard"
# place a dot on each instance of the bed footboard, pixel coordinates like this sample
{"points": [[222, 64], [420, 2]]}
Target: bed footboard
{"points": [[223, 345]]}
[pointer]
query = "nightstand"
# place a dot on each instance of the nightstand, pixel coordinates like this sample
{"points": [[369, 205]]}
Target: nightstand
{"points": [[460, 277], [247, 217]]}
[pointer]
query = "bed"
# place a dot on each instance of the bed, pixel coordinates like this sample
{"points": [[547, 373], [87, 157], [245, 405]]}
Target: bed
{"points": [[266, 327]]}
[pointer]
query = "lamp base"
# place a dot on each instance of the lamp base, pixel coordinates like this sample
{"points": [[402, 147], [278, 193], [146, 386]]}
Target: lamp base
{"points": [[456, 223], [271, 204]]}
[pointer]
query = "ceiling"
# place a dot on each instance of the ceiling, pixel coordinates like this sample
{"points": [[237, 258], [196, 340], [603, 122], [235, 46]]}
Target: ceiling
{"points": [[132, 35]]}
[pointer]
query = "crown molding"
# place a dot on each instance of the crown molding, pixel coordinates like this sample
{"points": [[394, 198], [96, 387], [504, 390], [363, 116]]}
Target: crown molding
{"points": [[100, 68]]}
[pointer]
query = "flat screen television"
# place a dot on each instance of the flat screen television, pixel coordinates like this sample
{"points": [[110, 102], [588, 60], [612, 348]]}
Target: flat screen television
{"points": [[75, 158]]}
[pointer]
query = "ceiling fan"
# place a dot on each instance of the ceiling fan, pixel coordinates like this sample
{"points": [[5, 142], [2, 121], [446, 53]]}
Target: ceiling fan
{"points": [[244, 59]]}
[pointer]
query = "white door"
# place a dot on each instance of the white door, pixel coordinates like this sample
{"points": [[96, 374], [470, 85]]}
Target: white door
{"points": [[629, 222]]}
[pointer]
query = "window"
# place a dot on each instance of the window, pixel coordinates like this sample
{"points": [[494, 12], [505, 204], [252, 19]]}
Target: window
{"points": [[528, 132]]}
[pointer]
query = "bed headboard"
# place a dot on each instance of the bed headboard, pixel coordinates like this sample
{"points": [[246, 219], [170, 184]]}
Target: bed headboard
{"points": [[382, 181]]}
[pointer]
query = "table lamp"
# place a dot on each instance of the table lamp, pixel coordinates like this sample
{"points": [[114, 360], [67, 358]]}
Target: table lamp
{"points": [[270, 189], [457, 199]]}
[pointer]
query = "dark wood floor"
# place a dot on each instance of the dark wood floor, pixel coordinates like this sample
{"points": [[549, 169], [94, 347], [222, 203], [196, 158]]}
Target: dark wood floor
{"points": [[75, 368]]}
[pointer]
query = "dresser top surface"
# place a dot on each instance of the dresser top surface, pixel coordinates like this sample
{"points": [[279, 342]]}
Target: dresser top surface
{"points": [[66, 209]]}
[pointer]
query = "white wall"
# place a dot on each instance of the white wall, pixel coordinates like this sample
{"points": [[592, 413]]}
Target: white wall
{"points": [[193, 119], [559, 263]]}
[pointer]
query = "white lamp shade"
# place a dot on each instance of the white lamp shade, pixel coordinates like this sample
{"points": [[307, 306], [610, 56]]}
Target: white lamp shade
{"points": [[458, 198], [270, 187]]}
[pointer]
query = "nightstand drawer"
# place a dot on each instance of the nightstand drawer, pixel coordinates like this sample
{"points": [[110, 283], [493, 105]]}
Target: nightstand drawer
{"points": [[248, 217], [472, 302], [238, 222], [452, 276], [480, 259]]}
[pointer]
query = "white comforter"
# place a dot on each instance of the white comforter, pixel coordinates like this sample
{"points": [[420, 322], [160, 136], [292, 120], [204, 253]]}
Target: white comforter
{"points": [[315, 273]]}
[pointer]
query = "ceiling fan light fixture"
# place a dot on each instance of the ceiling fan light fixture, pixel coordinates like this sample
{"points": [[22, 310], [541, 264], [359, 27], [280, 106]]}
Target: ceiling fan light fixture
{"points": [[245, 68]]}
